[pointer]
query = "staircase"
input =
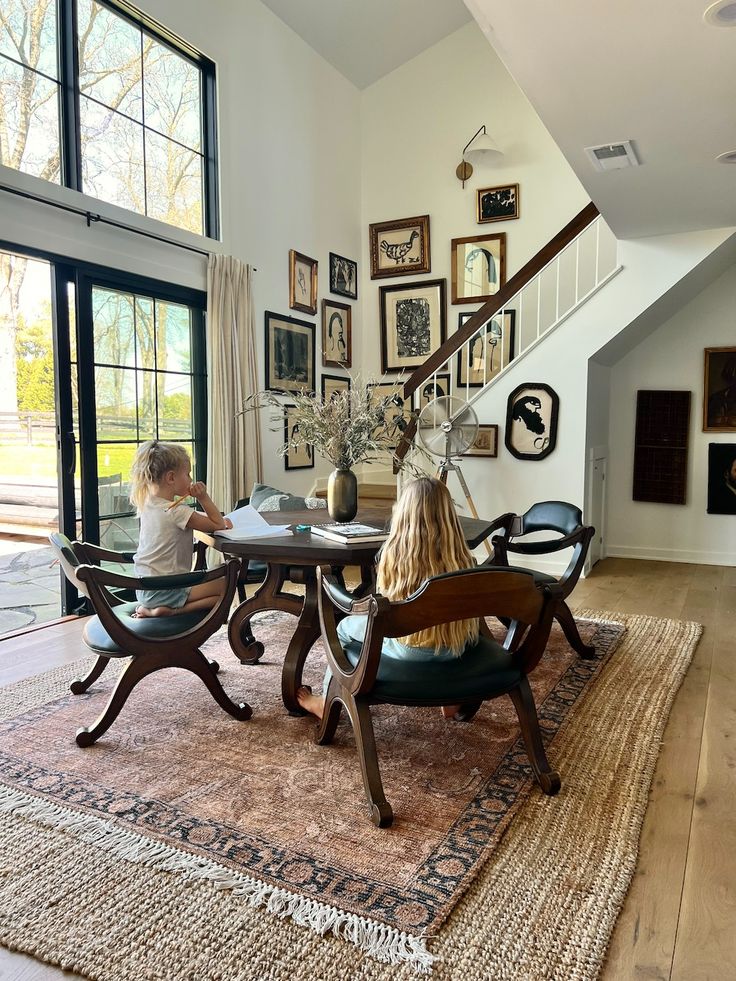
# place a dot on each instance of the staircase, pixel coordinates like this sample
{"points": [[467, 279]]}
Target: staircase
{"points": [[556, 282]]}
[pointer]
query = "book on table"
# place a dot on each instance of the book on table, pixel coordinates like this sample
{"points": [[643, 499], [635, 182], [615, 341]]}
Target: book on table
{"points": [[349, 531], [248, 523]]}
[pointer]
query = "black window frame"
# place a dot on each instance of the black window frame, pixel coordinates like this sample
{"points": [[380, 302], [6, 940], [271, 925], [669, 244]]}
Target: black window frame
{"points": [[70, 136]]}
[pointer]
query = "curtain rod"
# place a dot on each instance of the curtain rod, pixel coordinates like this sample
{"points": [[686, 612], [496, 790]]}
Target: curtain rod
{"points": [[92, 218]]}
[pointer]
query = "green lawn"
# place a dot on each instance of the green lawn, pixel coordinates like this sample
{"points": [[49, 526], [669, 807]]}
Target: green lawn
{"points": [[36, 463]]}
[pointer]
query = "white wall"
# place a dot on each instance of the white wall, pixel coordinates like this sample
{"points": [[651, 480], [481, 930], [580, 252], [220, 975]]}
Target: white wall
{"points": [[290, 158], [672, 358], [416, 121]]}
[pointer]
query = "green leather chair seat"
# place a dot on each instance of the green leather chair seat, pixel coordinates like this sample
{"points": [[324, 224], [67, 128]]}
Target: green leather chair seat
{"points": [[97, 638], [482, 672]]}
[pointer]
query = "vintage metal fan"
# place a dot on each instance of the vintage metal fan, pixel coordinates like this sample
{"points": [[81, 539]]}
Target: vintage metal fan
{"points": [[447, 426]]}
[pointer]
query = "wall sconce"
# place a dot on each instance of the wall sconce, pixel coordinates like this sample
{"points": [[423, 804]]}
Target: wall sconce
{"points": [[480, 147]]}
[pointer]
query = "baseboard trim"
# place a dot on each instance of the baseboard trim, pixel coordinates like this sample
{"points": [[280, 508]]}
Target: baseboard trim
{"points": [[688, 556]]}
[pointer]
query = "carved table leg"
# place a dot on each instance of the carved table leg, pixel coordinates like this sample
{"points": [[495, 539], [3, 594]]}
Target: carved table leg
{"points": [[305, 635], [267, 597]]}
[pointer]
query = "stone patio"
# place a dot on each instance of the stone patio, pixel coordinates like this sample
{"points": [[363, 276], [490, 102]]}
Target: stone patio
{"points": [[30, 585]]}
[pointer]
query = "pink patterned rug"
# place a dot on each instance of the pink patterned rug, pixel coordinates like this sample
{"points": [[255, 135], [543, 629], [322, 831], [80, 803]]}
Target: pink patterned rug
{"points": [[261, 799]]}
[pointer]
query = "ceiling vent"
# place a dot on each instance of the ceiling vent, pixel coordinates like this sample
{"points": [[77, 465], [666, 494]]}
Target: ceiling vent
{"points": [[612, 156]]}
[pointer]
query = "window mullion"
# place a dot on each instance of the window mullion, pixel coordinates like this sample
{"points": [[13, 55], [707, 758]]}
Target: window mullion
{"points": [[71, 141]]}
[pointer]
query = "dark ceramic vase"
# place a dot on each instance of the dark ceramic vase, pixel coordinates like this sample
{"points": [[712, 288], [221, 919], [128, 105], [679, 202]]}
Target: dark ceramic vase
{"points": [[342, 495]]}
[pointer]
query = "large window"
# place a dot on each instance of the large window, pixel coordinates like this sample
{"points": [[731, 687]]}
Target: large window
{"points": [[94, 96]]}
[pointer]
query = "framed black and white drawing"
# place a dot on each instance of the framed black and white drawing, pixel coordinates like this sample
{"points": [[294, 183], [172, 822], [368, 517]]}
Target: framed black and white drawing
{"points": [[332, 385], [497, 203], [722, 478], [391, 395], [488, 351], [299, 457], [337, 334], [478, 267], [413, 323], [290, 357], [343, 276], [302, 282], [485, 443], [531, 421], [434, 388], [400, 247]]}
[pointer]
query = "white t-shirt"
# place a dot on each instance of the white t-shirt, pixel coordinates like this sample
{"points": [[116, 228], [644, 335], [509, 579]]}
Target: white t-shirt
{"points": [[165, 543]]}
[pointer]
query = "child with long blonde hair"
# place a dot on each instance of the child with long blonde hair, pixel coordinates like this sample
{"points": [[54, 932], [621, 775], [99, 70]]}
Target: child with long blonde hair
{"points": [[160, 477], [425, 540]]}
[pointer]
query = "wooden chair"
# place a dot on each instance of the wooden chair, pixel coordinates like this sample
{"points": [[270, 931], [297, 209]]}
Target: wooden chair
{"points": [[567, 521], [152, 643], [362, 676]]}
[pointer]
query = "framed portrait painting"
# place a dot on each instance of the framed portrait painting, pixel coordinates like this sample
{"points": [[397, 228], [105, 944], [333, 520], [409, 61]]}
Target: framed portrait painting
{"points": [[478, 267], [332, 385], [302, 282], [337, 334], [343, 276], [722, 478], [400, 247], [413, 323], [290, 357], [485, 443], [297, 457], [434, 388], [488, 351], [497, 203], [392, 393], [531, 421], [719, 390]]}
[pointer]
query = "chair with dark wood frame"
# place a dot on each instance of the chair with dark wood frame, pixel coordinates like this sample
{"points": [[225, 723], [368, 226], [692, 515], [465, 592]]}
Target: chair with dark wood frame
{"points": [[152, 643], [362, 676], [567, 521]]}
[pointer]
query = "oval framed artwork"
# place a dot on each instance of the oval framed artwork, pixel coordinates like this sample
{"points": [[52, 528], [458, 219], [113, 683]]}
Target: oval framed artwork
{"points": [[531, 421]]}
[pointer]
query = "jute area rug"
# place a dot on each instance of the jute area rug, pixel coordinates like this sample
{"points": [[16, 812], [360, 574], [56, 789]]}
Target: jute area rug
{"points": [[186, 845]]}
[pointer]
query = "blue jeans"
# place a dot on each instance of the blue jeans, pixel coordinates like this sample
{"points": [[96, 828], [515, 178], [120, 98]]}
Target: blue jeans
{"points": [[353, 628]]}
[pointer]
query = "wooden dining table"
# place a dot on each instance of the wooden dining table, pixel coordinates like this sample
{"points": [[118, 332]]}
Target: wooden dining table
{"points": [[295, 557]]}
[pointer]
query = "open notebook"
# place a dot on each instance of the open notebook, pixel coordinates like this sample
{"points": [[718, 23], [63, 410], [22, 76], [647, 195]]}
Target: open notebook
{"points": [[248, 523]]}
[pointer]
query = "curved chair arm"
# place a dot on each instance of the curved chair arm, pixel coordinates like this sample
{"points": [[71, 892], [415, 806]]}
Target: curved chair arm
{"points": [[361, 678], [551, 545], [535, 640], [89, 554], [96, 580], [575, 566], [342, 598]]}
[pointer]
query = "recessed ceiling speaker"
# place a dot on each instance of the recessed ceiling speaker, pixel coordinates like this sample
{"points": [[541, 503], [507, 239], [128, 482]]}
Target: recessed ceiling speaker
{"points": [[721, 14]]}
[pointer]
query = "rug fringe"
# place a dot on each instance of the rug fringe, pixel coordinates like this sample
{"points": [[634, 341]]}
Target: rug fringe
{"points": [[376, 939]]}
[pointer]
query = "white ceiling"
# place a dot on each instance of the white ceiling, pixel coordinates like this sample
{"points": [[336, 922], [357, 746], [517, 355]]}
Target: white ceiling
{"points": [[649, 71], [366, 39]]}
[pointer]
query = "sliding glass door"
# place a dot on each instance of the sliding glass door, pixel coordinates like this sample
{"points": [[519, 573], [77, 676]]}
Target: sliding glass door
{"points": [[94, 362], [141, 375]]}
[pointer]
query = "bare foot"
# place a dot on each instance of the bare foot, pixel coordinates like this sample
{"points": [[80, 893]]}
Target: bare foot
{"points": [[313, 704], [449, 711], [156, 611]]}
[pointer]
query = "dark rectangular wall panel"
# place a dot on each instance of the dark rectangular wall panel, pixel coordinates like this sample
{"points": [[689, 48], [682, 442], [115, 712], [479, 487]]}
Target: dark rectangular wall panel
{"points": [[661, 446]]}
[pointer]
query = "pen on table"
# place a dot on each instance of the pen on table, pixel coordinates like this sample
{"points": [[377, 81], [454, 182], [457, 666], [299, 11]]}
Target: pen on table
{"points": [[173, 504]]}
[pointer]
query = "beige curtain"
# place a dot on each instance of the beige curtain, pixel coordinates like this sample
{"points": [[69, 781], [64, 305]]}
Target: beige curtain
{"points": [[234, 444]]}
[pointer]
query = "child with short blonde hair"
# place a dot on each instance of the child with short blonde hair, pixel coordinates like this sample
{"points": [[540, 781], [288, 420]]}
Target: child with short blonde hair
{"points": [[425, 540], [160, 477]]}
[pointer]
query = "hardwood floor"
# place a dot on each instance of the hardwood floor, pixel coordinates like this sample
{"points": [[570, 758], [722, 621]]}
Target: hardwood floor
{"points": [[677, 922]]}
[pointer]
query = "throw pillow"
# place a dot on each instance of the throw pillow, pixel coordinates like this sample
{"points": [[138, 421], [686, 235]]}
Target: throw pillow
{"points": [[265, 498]]}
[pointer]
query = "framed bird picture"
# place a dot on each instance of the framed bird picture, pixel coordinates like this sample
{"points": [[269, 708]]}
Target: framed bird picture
{"points": [[400, 248]]}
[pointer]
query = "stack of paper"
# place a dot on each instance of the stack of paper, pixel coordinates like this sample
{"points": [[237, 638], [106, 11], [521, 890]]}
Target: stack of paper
{"points": [[248, 523]]}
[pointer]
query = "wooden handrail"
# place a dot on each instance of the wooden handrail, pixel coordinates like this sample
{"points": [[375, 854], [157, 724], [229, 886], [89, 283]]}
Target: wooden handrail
{"points": [[520, 279]]}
